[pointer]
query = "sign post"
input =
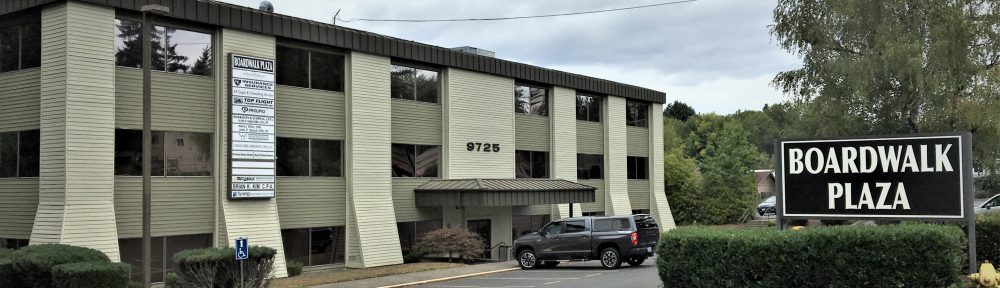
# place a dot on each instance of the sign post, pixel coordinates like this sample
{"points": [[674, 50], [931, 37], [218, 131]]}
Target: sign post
{"points": [[251, 123], [922, 177], [242, 253]]}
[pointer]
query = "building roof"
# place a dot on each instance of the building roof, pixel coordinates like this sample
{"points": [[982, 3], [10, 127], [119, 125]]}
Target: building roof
{"points": [[254, 20], [764, 175], [501, 192]]}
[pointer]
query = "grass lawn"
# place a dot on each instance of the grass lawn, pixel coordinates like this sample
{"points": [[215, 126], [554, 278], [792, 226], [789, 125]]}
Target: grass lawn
{"points": [[345, 274]]}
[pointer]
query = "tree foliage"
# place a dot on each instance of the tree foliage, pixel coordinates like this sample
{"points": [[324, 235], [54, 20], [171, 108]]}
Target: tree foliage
{"points": [[683, 186], [678, 110], [894, 66], [451, 242]]}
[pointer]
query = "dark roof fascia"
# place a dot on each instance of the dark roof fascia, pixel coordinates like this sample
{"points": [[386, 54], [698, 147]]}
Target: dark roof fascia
{"points": [[254, 20]]}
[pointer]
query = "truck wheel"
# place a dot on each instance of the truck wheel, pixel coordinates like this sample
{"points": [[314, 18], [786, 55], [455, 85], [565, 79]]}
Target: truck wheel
{"points": [[635, 261], [610, 258], [527, 259]]}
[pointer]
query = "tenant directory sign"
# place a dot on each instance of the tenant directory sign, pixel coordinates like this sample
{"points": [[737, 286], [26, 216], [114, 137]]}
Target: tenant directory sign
{"points": [[251, 122]]}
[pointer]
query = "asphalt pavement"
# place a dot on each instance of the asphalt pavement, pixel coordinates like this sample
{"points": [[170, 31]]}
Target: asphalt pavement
{"points": [[567, 274]]}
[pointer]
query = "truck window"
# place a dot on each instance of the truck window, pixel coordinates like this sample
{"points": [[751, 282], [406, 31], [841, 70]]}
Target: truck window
{"points": [[575, 226], [553, 228], [645, 221], [612, 224]]}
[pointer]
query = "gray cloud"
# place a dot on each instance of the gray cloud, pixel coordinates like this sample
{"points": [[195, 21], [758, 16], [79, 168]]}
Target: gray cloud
{"points": [[687, 50]]}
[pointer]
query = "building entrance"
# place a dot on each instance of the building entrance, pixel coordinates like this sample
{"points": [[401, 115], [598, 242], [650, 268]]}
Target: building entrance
{"points": [[482, 228]]}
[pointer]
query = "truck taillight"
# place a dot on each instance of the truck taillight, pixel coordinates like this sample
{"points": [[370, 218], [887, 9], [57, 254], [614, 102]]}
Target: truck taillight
{"points": [[635, 238]]}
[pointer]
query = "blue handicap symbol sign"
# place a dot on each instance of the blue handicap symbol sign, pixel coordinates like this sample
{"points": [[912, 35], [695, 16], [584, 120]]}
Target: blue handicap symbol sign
{"points": [[242, 249]]}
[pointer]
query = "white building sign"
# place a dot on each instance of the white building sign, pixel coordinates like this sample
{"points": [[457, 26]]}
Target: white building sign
{"points": [[251, 125]]}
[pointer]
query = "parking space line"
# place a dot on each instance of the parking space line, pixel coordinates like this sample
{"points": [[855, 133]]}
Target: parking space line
{"points": [[512, 278], [553, 282], [592, 275]]}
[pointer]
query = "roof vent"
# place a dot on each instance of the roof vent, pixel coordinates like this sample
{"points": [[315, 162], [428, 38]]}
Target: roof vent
{"points": [[474, 50], [266, 6]]}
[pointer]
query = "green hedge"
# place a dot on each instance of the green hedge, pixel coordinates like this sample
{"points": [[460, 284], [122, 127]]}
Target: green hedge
{"points": [[4, 252], [294, 268], [217, 267], [988, 237], [32, 266], [912, 255], [91, 275]]}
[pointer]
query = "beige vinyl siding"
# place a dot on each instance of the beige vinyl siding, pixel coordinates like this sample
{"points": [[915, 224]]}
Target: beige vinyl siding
{"points": [[312, 201], [598, 204], [638, 141], [638, 193], [403, 200], [309, 113], [659, 206], [415, 122], [479, 109], [20, 97], [18, 204], [563, 156], [181, 205], [589, 136], [254, 219], [615, 158], [372, 236], [532, 132], [180, 102], [76, 179]]}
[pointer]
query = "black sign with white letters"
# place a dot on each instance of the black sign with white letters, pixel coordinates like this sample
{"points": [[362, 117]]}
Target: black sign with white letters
{"points": [[907, 177]]}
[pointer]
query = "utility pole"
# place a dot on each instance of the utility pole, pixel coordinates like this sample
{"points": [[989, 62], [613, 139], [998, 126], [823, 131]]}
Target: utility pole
{"points": [[147, 140]]}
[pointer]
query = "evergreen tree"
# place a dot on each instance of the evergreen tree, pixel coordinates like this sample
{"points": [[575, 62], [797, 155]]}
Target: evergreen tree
{"points": [[678, 110]]}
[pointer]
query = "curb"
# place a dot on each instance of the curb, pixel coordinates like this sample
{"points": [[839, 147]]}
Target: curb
{"points": [[449, 278]]}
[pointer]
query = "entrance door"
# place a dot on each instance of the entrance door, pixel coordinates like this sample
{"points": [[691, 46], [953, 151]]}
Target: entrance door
{"points": [[482, 228]]}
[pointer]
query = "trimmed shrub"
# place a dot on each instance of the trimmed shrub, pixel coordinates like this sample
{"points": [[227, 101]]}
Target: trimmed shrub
{"points": [[451, 242], [4, 252], [413, 257], [911, 255], [216, 267], [91, 275], [32, 266], [294, 268], [987, 235]]}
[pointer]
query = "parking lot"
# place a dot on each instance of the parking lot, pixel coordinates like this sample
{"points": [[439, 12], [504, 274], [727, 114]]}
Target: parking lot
{"points": [[567, 274]]}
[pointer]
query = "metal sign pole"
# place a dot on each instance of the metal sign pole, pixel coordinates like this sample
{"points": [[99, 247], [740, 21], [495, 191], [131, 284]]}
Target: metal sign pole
{"points": [[242, 282], [969, 190]]}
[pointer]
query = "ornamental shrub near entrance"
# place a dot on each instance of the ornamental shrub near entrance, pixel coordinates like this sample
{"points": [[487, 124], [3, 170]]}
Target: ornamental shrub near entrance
{"points": [[48, 265], [217, 267], [908, 255]]}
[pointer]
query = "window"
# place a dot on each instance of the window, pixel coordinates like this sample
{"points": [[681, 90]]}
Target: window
{"points": [[308, 157], [526, 224], [411, 232], [174, 153], [21, 42], [588, 108], [531, 100], [12, 243], [314, 246], [640, 211], [19, 153], [174, 50], [612, 224], [414, 83], [589, 166], [645, 221], [553, 228], [415, 160], [635, 113], [309, 68], [532, 164], [637, 167], [595, 213], [574, 226], [163, 249]]}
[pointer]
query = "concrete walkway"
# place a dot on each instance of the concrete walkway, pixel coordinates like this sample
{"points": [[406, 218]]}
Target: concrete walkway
{"points": [[416, 278]]}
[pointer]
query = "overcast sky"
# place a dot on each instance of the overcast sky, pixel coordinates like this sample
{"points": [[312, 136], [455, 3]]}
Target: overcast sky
{"points": [[715, 55]]}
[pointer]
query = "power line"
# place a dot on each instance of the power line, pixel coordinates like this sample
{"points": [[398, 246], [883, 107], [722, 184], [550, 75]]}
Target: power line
{"points": [[517, 17]]}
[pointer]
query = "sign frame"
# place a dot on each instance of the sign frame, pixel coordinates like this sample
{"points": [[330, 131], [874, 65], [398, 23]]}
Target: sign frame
{"points": [[245, 248], [262, 147], [966, 185]]}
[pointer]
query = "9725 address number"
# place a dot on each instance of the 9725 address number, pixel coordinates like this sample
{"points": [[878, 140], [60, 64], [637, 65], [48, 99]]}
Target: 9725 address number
{"points": [[484, 147]]}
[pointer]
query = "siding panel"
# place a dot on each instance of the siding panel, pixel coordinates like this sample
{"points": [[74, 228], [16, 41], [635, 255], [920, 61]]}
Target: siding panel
{"points": [[638, 141], [598, 204], [309, 113], [21, 100], [181, 205], [659, 206], [180, 102], [589, 137], [18, 205], [532, 132], [403, 201], [479, 109], [615, 168], [638, 193], [564, 142], [416, 122], [312, 202]]}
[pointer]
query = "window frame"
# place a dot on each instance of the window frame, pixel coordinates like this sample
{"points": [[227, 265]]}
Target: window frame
{"points": [[633, 167], [17, 154], [631, 119], [578, 163], [418, 66], [531, 162], [166, 22], [163, 137], [414, 157], [309, 158], [310, 49], [600, 107], [19, 21], [548, 94]]}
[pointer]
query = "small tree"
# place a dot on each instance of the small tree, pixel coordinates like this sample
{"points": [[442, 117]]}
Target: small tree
{"points": [[453, 242]]}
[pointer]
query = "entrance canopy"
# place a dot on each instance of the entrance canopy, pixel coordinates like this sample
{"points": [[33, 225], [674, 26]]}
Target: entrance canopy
{"points": [[501, 192]]}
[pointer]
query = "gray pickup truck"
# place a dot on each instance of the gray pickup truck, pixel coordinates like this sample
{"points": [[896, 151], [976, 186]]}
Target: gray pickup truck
{"points": [[611, 239]]}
